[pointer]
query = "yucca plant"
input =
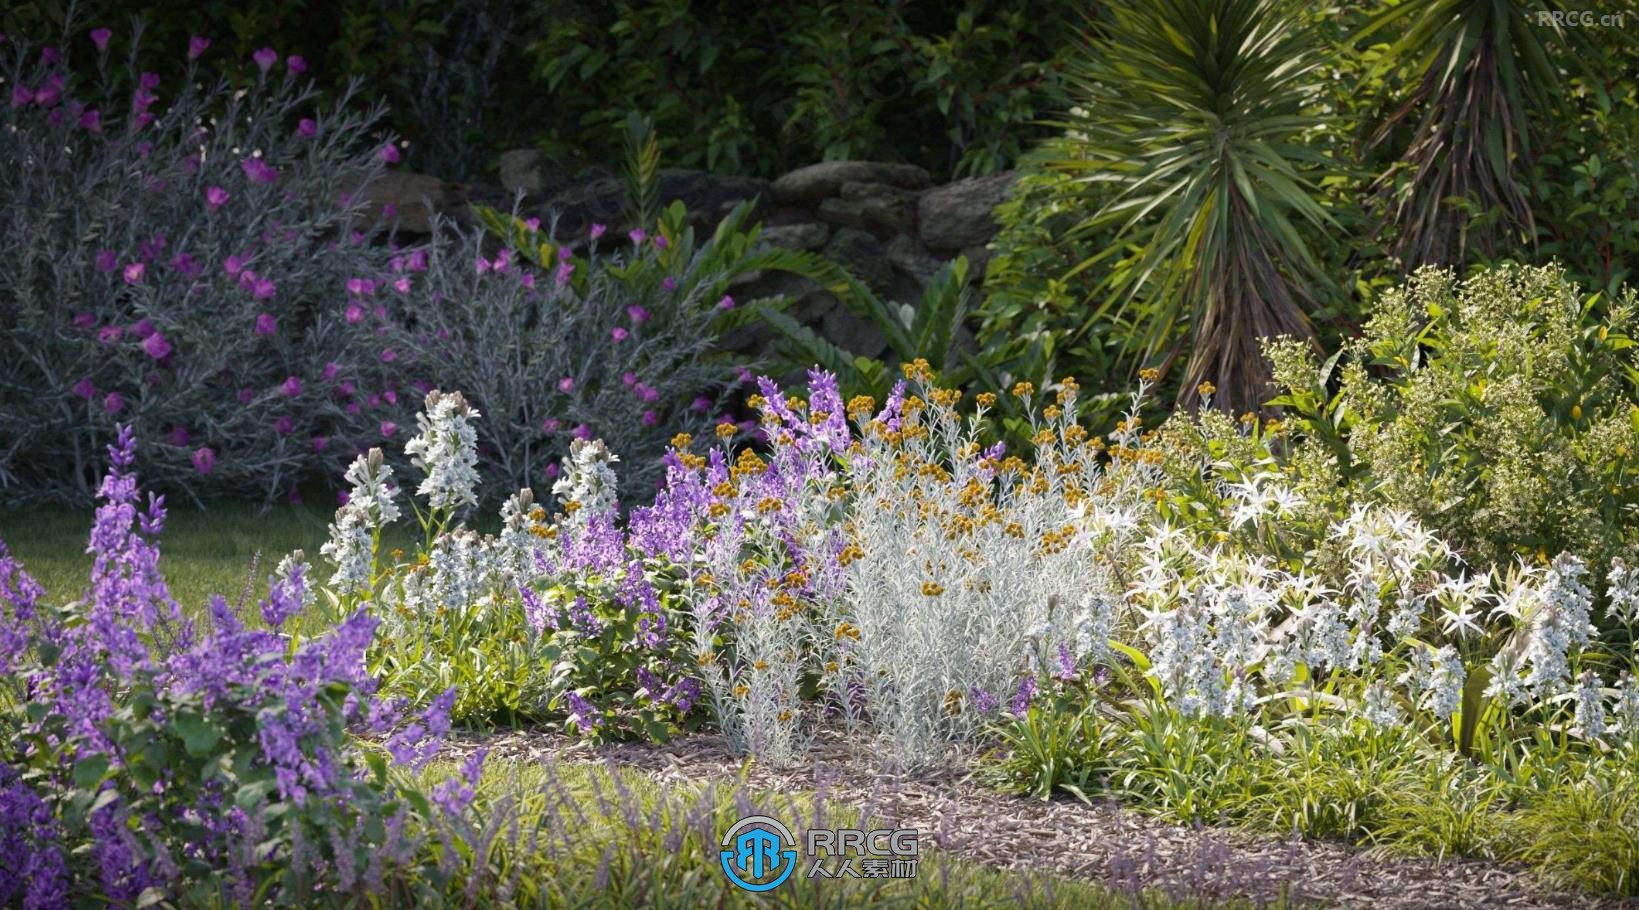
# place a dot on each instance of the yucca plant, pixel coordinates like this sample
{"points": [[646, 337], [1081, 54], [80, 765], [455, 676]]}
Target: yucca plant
{"points": [[1192, 131], [1478, 68]]}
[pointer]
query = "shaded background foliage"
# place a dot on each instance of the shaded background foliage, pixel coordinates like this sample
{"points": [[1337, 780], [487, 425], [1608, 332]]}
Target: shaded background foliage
{"points": [[735, 86]]}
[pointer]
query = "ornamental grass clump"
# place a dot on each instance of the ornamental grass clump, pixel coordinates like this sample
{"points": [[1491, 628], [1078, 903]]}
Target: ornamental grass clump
{"points": [[178, 258], [153, 755]]}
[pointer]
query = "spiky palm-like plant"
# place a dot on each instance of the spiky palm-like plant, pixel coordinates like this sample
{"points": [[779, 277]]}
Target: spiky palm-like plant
{"points": [[1478, 69], [1192, 129]]}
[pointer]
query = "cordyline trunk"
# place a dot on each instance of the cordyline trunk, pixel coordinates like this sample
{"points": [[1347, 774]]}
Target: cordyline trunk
{"points": [[1245, 297], [1448, 157]]}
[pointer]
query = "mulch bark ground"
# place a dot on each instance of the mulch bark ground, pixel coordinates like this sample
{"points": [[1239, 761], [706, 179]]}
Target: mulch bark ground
{"points": [[1102, 843]]}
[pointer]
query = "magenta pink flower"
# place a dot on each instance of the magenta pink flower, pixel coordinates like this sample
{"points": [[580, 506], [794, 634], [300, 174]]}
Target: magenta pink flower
{"points": [[259, 171], [233, 265], [549, 425], [134, 272], [100, 36], [355, 313], [320, 443], [141, 329], [650, 418], [84, 320], [388, 428], [109, 334], [637, 314], [361, 287], [156, 346], [204, 458], [647, 393], [637, 235], [107, 261], [197, 46], [660, 241], [566, 384], [417, 261], [91, 120], [347, 389], [295, 64], [85, 388], [389, 355], [618, 334], [482, 265], [306, 128], [727, 303], [216, 197], [291, 387], [185, 264], [147, 83], [668, 284], [266, 324], [701, 404], [113, 402], [628, 378], [551, 471], [179, 437], [582, 431], [527, 279], [330, 370], [263, 288], [389, 153], [598, 230], [534, 224], [390, 396], [49, 55], [285, 425], [20, 95], [265, 58], [246, 396], [402, 285]]}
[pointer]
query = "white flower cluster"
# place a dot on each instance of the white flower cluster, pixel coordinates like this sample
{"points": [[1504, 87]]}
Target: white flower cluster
{"points": [[369, 507], [588, 479], [446, 449]]}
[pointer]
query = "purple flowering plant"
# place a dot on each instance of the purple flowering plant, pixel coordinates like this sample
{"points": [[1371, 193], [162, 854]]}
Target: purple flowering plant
{"points": [[152, 754], [212, 221]]}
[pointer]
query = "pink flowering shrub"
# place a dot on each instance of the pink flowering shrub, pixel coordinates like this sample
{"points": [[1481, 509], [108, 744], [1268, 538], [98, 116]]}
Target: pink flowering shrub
{"points": [[177, 259], [146, 756]]}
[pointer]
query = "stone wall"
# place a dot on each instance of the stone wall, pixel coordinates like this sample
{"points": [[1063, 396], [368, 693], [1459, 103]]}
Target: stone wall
{"points": [[886, 223]]}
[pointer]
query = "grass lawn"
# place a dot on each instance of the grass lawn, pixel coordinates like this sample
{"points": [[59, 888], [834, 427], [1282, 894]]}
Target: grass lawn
{"points": [[201, 552]]}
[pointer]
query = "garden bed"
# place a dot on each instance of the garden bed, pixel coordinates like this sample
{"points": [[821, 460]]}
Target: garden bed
{"points": [[1102, 843]]}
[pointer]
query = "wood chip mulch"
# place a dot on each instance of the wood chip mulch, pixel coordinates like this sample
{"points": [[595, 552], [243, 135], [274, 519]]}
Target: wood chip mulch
{"points": [[1102, 843]]}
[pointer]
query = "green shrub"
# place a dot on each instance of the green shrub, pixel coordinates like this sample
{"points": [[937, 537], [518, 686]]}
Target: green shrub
{"points": [[1499, 410]]}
